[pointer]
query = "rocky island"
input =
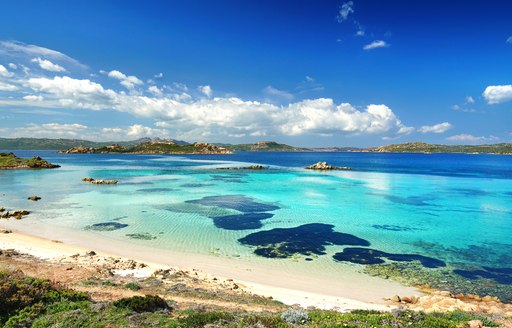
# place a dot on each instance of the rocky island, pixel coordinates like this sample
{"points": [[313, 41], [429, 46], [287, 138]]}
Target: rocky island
{"points": [[323, 166], [9, 161], [151, 147]]}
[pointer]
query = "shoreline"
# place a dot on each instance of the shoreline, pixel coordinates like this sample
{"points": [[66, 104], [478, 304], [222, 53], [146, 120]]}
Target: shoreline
{"points": [[358, 291]]}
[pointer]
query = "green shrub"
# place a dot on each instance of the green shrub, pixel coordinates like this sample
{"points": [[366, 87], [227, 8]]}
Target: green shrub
{"points": [[132, 286], [148, 303]]}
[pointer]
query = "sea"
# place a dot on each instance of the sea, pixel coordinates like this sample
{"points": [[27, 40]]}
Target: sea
{"points": [[448, 214]]}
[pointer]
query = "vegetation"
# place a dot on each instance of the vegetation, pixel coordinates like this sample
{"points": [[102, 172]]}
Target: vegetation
{"points": [[56, 144], [11, 161], [421, 147], [263, 146], [26, 302]]}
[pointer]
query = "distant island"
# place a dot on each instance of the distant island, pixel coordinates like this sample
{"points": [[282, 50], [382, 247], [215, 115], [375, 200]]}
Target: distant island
{"points": [[9, 161], [173, 146], [422, 147], [263, 146], [151, 147]]}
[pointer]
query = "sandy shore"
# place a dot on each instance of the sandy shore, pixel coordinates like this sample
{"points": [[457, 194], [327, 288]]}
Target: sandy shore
{"points": [[350, 290]]}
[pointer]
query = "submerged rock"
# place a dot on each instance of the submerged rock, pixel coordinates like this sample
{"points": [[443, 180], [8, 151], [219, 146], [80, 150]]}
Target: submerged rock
{"points": [[94, 181], [34, 198], [323, 166], [250, 167], [106, 226]]}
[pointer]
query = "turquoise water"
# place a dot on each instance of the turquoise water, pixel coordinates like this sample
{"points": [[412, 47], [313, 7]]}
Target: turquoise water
{"points": [[448, 209]]}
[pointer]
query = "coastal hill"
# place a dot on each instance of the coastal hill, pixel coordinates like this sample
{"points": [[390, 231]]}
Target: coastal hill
{"points": [[422, 147], [9, 161], [263, 146], [61, 144], [151, 147]]}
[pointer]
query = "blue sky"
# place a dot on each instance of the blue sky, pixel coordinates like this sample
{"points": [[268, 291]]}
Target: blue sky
{"points": [[312, 73]]}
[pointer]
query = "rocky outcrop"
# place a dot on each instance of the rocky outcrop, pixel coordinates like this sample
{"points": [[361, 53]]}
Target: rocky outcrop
{"points": [[206, 148], [94, 181], [34, 198], [18, 215], [78, 150], [323, 166], [9, 161]]}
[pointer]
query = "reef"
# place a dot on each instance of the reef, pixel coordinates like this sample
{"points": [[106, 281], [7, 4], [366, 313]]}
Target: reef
{"points": [[106, 226], [306, 240]]}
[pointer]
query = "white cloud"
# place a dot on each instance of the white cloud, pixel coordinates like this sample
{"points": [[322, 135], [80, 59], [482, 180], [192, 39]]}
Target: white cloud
{"points": [[13, 66], [272, 92], [132, 132], [438, 128], [33, 98], [4, 72], [48, 65], [206, 90], [50, 130], [7, 87], [345, 10], [16, 49], [155, 91], [471, 139], [159, 75], [496, 94], [200, 117], [509, 40], [376, 44], [360, 33], [74, 93], [470, 100], [128, 82]]}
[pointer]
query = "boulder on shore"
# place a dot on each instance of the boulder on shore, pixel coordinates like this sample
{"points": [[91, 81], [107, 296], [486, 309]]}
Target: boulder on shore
{"points": [[323, 166]]}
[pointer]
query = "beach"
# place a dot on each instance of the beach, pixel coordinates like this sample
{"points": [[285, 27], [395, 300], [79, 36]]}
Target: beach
{"points": [[353, 291]]}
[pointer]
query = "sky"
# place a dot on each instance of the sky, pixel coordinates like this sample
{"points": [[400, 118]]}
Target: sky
{"points": [[303, 72]]}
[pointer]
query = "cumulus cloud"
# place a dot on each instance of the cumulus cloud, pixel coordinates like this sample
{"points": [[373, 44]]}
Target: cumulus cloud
{"points": [[159, 75], [206, 90], [48, 65], [496, 94], [202, 117], [509, 40], [376, 44], [128, 82], [470, 100], [132, 132], [345, 10], [471, 139], [7, 87], [4, 72], [438, 128], [155, 91]]}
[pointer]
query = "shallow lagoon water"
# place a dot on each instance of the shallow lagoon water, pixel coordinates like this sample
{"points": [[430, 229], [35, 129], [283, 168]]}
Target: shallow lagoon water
{"points": [[451, 208]]}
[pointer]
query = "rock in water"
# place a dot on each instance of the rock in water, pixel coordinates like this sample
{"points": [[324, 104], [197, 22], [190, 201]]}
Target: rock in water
{"points": [[34, 198], [323, 166]]}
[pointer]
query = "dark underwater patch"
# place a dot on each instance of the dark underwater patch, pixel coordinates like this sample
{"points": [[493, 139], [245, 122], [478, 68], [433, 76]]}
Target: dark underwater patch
{"points": [[392, 227], [306, 239], [373, 256], [411, 200], [141, 236], [499, 275], [106, 226], [241, 221], [157, 189], [240, 203], [196, 185]]}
